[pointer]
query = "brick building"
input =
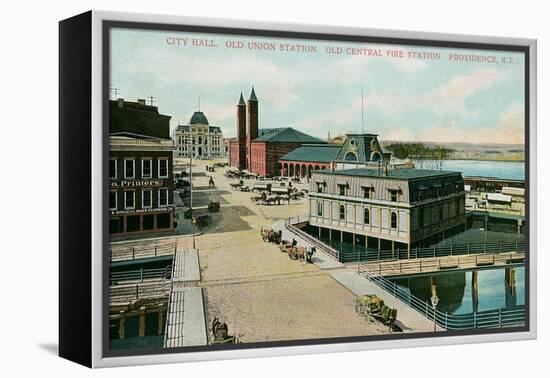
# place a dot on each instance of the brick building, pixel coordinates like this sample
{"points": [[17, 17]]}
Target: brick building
{"points": [[139, 118], [259, 150], [141, 195]]}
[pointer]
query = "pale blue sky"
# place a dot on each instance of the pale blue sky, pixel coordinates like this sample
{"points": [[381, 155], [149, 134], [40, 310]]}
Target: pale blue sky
{"points": [[404, 99]]}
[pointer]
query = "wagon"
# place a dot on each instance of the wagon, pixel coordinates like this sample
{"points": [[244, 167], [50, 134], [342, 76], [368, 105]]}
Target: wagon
{"points": [[271, 236], [366, 305], [386, 316], [203, 220], [261, 186], [214, 206]]}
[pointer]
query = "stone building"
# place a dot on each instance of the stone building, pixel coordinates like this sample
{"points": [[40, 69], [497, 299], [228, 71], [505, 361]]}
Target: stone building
{"points": [[387, 209], [198, 138]]}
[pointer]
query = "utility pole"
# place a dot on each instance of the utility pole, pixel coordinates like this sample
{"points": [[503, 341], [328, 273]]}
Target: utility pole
{"points": [[191, 191], [151, 100], [115, 90]]}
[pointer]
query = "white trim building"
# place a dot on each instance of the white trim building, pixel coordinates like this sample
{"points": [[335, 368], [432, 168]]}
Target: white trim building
{"points": [[199, 139]]}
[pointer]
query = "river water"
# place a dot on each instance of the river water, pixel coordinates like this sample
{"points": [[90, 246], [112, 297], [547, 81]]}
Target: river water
{"points": [[454, 290], [501, 169]]}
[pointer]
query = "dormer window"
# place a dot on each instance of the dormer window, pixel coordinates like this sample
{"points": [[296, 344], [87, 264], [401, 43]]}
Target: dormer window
{"points": [[367, 191], [394, 195], [342, 189]]}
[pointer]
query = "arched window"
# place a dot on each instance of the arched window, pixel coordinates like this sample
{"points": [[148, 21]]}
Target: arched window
{"points": [[366, 214], [393, 219], [342, 212], [350, 156]]}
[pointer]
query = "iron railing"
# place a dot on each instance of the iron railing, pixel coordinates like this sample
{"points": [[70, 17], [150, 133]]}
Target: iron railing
{"points": [[290, 225], [497, 318], [141, 252], [140, 274]]}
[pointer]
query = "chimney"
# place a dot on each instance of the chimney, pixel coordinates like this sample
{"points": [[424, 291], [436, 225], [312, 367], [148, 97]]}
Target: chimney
{"points": [[120, 102], [141, 101]]}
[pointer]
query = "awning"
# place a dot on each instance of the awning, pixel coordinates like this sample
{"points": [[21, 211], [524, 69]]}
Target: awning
{"points": [[367, 186], [422, 187], [436, 185]]}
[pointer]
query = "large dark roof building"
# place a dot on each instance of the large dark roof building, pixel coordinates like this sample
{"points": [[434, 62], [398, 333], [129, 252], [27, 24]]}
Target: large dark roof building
{"points": [[139, 118], [286, 134], [387, 209]]}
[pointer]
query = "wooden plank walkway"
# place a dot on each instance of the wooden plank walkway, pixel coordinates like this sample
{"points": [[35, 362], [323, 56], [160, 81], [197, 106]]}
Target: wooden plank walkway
{"points": [[442, 264]]}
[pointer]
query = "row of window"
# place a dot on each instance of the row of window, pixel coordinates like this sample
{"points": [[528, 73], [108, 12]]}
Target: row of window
{"points": [[441, 215], [184, 148], [366, 214], [198, 140], [146, 199], [367, 191], [393, 194], [129, 168]]}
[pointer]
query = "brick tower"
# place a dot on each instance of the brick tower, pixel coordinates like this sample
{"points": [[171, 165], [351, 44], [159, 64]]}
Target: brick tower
{"points": [[241, 133], [251, 126]]}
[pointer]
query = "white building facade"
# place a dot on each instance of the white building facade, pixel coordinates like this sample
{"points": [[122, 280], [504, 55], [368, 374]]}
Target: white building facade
{"points": [[198, 139]]}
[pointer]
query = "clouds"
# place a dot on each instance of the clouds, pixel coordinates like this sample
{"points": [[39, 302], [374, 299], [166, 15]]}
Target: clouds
{"points": [[405, 99]]}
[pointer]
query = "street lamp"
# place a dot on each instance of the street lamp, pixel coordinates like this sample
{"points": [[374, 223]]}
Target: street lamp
{"points": [[435, 301]]}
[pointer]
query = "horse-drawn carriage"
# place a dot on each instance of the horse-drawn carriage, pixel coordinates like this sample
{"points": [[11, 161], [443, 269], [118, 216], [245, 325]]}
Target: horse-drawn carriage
{"points": [[202, 220], [236, 185], [271, 236], [220, 333], [373, 308], [295, 252], [214, 206]]}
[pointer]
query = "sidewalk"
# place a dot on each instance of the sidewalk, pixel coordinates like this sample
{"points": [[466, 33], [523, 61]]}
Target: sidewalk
{"points": [[186, 324]]}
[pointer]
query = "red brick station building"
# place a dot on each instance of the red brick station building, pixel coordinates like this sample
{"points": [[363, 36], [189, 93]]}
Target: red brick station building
{"points": [[263, 151], [288, 152]]}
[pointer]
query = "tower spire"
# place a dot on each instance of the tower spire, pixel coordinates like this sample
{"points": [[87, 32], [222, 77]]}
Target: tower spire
{"points": [[241, 100], [253, 95]]}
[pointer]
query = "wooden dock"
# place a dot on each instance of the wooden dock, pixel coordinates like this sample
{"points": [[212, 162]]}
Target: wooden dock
{"points": [[442, 264]]}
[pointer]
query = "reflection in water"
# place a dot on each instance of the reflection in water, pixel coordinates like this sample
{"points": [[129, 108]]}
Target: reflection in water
{"points": [[473, 291]]}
